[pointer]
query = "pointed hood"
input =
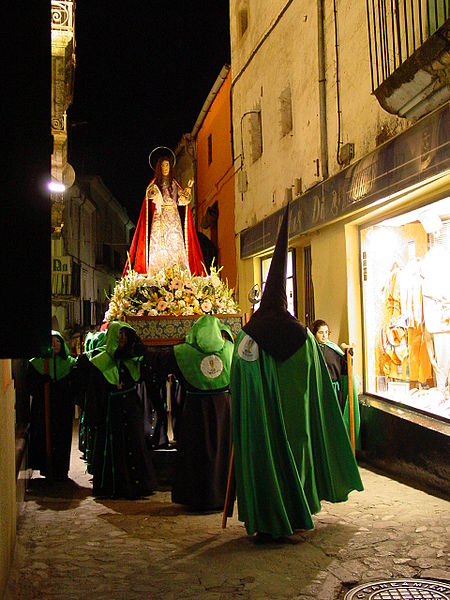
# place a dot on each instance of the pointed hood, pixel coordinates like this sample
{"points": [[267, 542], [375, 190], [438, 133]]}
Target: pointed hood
{"points": [[272, 326]]}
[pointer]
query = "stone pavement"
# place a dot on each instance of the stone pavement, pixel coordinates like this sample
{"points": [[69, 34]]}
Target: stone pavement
{"points": [[72, 546]]}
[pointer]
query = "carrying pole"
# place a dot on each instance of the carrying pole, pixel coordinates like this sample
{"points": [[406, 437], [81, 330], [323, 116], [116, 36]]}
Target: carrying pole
{"points": [[48, 443], [351, 407]]}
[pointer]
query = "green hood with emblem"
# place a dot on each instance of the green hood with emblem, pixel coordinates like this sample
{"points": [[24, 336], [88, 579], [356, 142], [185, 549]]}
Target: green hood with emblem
{"points": [[205, 357], [59, 366], [107, 361]]}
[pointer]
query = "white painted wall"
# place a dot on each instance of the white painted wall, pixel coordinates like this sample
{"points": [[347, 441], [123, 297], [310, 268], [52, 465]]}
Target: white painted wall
{"points": [[288, 55]]}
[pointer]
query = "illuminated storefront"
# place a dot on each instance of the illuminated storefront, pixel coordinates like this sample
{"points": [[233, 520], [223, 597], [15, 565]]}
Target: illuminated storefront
{"points": [[378, 234], [405, 262]]}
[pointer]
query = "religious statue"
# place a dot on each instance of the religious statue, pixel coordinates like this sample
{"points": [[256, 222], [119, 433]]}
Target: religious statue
{"points": [[163, 238]]}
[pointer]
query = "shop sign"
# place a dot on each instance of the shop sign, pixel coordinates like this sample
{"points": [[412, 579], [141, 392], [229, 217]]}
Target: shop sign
{"points": [[62, 265]]}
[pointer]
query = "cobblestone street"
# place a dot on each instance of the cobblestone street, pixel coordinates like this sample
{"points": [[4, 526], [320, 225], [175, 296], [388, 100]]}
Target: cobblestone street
{"points": [[72, 546]]}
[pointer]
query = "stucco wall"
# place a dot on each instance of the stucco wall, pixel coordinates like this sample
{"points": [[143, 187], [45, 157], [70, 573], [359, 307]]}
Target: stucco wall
{"points": [[7, 472], [277, 52]]}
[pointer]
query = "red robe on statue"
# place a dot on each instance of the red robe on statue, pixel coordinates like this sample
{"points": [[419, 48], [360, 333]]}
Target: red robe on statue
{"points": [[138, 253]]}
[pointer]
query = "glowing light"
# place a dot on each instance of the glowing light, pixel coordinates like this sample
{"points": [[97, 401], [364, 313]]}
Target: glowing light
{"points": [[56, 186]]}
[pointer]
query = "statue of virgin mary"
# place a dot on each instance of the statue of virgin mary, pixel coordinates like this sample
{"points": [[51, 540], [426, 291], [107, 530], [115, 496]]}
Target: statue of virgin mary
{"points": [[163, 238]]}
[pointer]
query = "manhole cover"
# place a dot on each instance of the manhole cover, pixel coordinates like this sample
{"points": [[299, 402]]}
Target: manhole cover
{"points": [[400, 589]]}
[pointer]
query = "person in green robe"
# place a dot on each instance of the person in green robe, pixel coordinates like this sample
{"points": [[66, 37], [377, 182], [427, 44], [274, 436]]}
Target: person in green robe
{"points": [[290, 443], [93, 344], [201, 367], [336, 362], [120, 462], [55, 371]]}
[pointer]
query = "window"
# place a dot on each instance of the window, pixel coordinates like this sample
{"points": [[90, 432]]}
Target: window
{"points": [[256, 145], [290, 280], [309, 288], [243, 21], [210, 149], [285, 111], [406, 308]]}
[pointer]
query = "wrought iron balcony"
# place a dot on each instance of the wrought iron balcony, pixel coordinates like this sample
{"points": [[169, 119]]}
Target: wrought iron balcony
{"points": [[409, 54], [62, 17]]}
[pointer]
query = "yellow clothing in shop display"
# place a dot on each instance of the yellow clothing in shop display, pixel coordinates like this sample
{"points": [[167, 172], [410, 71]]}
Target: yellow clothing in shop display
{"points": [[419, 362], [405, 353]]}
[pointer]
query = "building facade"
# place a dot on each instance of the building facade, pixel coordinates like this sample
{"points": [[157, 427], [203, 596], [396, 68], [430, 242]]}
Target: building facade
{"points": [[87, 258], [205, 155], [360, 150]]}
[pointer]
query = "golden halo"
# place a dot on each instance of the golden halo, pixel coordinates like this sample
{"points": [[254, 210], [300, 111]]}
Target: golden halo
{"points": [[173, 161]]}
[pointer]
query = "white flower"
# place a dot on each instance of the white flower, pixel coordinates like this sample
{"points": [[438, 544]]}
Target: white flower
{"points": [[215, 281], [206, 306]]}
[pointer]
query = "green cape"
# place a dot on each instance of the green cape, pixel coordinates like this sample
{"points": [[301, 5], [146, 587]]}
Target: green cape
{"points": [[105, 361], [205, 357], [291, 447], [58, 366]]}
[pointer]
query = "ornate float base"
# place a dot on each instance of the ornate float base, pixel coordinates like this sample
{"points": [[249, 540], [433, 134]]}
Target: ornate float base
{"points": [[167, 330]]}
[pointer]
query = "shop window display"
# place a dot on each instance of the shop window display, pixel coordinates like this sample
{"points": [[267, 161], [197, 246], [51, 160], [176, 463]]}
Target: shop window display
{"points": [[406, 302]]}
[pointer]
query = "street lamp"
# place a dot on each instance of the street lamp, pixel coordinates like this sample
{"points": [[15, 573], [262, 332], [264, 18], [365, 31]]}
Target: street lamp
{"points": [[56, 186]]}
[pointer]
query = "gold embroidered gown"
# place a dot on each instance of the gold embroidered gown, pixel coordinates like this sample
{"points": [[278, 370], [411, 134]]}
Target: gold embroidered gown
{"points": [[166, 244]]}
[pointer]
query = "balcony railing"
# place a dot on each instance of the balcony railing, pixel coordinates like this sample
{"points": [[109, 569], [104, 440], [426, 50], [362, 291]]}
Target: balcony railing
{"points": [[397, 28], [62, 17]]}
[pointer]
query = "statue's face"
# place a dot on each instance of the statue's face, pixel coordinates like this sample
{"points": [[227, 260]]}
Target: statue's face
{"points": [[165, 168]]}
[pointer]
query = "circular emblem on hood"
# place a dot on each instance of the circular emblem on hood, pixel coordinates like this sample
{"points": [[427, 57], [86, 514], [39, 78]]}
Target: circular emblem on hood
{"points": [[211, 366], [248, 349]]}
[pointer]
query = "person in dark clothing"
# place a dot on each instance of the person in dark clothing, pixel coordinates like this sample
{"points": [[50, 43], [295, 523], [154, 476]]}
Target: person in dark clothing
{"points": [[201, 365], [336, 362], [121, 462], [54, 374]]}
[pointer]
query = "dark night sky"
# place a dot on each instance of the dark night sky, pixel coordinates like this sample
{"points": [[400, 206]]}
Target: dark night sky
{"points": [[144, 69]]}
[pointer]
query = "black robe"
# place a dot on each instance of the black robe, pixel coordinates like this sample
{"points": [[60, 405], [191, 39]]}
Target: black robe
{"points": [[337, 367], [203, 439], [61, 394], [120, 461]]}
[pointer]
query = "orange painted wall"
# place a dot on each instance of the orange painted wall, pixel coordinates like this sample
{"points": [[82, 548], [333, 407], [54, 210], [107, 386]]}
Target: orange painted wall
{"points": [[215, 181]]}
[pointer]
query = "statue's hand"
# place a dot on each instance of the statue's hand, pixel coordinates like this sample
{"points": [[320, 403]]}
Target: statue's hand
{"points": [[151, 191], [158, 201]]}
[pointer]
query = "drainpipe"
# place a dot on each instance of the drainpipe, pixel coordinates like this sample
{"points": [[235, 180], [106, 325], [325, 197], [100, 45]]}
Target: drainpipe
{"points": [[322, 91]]}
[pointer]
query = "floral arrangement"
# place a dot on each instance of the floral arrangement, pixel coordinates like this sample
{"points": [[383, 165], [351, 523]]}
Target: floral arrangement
{"points": [[171, 292]]}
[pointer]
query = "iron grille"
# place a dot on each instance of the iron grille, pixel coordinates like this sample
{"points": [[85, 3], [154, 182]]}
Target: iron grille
{"points": [[397, 28]]}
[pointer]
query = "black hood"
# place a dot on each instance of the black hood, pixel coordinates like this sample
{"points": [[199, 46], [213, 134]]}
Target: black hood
{"points": [[275, 330]]}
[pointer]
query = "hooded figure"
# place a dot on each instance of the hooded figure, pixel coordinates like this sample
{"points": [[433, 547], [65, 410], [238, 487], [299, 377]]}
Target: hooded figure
{"points": [[93, 344], [291, 447], [56, 372], [120, 461], [201, 365]]}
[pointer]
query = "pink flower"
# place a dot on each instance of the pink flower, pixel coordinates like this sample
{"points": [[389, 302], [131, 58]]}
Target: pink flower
{"points": [[161, 306]]}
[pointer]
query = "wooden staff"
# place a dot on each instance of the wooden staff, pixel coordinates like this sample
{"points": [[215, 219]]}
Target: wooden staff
{"points": [[231, 491], [170, 436], [351, 409], [48, 443]]}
